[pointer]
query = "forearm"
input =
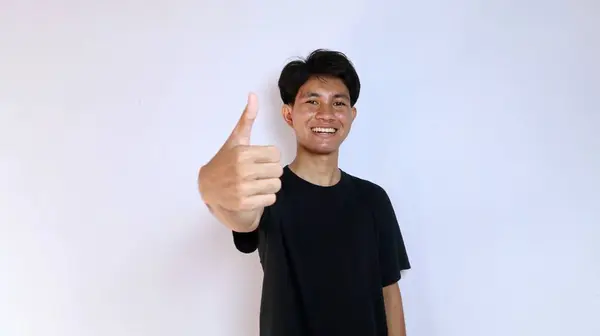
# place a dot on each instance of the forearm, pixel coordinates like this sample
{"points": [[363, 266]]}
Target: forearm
{"points": [[394, 311], [240, 221]]}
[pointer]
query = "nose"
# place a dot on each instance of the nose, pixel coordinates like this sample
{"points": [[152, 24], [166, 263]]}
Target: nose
{"points": [[325, 113]]}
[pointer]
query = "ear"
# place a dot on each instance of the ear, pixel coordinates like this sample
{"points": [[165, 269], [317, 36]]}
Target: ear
{"points": [[286, 112], [354, 113]]}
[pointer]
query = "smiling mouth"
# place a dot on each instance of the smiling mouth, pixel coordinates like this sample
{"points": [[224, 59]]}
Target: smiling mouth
{"points": [[324, 130]]}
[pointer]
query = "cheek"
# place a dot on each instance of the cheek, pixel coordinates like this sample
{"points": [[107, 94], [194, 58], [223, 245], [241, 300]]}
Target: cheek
{"points": [[308, 110], [300, 116], [344, 116]]}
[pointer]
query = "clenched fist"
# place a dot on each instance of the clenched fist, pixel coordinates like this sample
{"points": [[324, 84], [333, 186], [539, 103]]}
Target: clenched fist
{"points": [[242, 177]]}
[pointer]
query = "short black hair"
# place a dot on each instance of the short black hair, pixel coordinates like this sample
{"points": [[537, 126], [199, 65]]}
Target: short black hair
{"points": [[321, 62]]}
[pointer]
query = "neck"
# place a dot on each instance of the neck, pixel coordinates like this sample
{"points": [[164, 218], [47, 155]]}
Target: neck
{"points": [[317, 169]]}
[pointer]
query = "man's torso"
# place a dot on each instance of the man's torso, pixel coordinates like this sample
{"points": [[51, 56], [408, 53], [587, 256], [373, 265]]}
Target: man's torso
{"points": [[318, 249]]}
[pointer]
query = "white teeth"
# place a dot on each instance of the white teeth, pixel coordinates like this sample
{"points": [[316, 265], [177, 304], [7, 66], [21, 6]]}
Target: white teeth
{"points": [[323, 129]]}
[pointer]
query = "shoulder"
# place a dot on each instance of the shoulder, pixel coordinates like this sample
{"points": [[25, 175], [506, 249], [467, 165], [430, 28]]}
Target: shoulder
{"points": [[368, 187]]}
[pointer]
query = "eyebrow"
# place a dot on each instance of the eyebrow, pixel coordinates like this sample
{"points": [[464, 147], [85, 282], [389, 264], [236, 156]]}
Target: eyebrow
{"points": [[314, 94]]}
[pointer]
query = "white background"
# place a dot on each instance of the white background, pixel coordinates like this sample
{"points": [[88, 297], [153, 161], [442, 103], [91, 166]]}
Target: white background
{"points": [[480, 118]]}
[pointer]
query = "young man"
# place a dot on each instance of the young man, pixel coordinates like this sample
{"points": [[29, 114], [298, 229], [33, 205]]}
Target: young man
{"points": [[329, 242]]}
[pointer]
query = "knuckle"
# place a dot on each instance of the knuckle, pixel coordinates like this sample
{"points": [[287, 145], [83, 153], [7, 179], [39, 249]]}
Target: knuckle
{"points": [[237, 172], [236, 150], [276, 185], [276, 153], [241, 170], [241, 203], [278, 171], [239, 190], [240, 153], [270, 199], [239, 158]]}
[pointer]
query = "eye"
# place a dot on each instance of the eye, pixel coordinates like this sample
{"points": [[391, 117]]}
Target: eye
{"points": [[312, 102], [339, 103]]}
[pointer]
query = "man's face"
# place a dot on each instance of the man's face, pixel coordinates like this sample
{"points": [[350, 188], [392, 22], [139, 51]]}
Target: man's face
{"points": [[321, 116]]}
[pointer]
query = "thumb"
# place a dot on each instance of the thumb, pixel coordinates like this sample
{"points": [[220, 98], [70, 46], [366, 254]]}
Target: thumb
{"points": [[242, 131]]}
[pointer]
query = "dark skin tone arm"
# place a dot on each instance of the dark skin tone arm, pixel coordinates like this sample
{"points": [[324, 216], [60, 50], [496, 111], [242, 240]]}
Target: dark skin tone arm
{"points": [[394, 310]]}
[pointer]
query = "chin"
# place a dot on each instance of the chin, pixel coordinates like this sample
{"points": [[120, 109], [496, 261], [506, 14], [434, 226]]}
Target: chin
{"points": [[320, 145], [320, 150], [323, 152]]}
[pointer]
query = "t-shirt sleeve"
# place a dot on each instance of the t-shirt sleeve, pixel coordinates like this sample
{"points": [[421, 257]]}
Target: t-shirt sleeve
{"points": [[247, 242], [392, 251]]}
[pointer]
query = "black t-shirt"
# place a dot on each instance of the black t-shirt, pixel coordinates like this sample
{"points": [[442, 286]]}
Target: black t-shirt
{"points": [[326, 253]]}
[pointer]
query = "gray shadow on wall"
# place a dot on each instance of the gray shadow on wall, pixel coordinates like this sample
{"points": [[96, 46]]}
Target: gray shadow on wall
{"points": [[205, 260], [222, 261], [170, 287], [207, 263], [282, 133]]}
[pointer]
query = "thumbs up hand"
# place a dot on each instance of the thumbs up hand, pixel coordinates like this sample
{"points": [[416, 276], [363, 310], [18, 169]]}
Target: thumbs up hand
{"points": [[242, 177]]}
